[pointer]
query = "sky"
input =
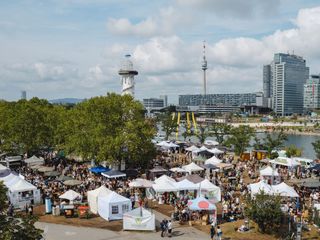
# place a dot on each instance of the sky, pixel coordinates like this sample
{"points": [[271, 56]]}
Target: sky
{"points": [[74, 48]]}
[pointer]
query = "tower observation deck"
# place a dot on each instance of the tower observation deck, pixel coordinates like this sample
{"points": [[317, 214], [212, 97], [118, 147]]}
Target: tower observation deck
{"points": [[127, 74]]}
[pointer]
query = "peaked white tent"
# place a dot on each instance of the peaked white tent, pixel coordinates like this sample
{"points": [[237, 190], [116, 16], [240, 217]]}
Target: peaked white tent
{"points": [[164, 177], [284, 190], [192, 167], [71, 195], [210, 190], [141, 183], [192, 148], [94, 195], [139, 219], [268, 171], [113, 206], [215, 151], [34, 160], [186, 185], [165, 144], [284, 161], [162, 184], [260, 186], [204, 148], [213, 160], [3, 168], [22, 186], [177, 170]]}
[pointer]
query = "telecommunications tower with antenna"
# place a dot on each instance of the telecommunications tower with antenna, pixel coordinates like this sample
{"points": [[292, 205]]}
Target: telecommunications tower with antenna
{"points": [[204, 67], [127, 74]]}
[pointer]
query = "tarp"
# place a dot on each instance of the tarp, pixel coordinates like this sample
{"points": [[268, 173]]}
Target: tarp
{"points": [[192, 167], [34, 160], [268, 171], [213, 160], [200, 203], [139, 219], [70, 195], [260, 186], [94, 195], [140, 183], [210, 190], [284, 161], [99, 169], [186, 185], [284, 190], [113, 174], [113, 206]]}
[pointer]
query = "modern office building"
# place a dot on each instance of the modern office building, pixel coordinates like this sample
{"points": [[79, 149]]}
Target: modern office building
{"points": [[235, 99], [311, 94], [153, 103], [283, 82], [165, 100], [24, 95]]}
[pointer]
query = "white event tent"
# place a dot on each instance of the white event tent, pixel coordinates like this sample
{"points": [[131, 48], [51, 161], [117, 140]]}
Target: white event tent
{"points": [[164, 177], [164, 184], [192, 167], [94, 195], [113, 206], [34, 160], [139, 219], [213, 160], [284, 190], [215, 151], [192, 148], [260, 186], [141, 183], [284, 161], [71, 195], [186, 185], [268, 171], [177, 170], [211, 142], [210, 190], [166, 145]]}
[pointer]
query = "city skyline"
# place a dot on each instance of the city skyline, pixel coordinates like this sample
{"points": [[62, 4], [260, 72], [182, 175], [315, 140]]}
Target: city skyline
{"points": [[65, 48]]}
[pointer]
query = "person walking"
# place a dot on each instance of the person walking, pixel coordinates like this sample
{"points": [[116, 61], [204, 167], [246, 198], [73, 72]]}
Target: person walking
{"points": [[212, 232], [163, 227], [219, 233], [169, 228]]}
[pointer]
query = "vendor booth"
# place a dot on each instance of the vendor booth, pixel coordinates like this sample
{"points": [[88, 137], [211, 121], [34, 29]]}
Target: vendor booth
{"points": [[210, 191], [71, 196], [207, 210], [192, 167], [34, 160], [94, 195], [139, 219], [113, 174], [113, 206]]}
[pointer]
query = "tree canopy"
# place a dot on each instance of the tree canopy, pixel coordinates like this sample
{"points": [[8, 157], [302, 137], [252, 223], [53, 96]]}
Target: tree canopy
{"points": [[240, 138], [316, 147], [168, 123]]}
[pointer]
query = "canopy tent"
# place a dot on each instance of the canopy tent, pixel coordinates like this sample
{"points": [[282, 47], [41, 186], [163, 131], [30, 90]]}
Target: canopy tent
{"points": [[34, 160], [177, 170], [3, 168], [203, 148], [216, 151], [201, 203], [192, 167], [164, 185], [63, 178], [199, 158], [72, 182], [71, 195], [284, 190], [209, 166], [260, 186], [51, 174], [195, 178], [284, 161], [156, 172], [192, 148], [164, 177], [141, 183], [211, 143], [304, 161], [213, 160], [186, 185], [269, 171], [224, 165], [21, 186], [113, 206], [113, 174], [139, 219], [131, 172], [210, 190], [45, 169], [99, 169], [166, 144], [94, 195]]}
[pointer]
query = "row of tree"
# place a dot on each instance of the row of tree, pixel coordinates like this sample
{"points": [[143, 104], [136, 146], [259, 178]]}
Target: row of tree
{"points": [[107, 128], [239, 138]]}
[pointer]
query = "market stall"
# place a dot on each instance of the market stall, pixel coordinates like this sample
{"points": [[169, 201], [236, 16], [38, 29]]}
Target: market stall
{"points": [[206, 211], [94, 195], [139, 219]]}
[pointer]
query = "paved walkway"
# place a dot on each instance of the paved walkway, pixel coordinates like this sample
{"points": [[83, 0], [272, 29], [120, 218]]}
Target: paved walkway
{"points": [[66, 232]]}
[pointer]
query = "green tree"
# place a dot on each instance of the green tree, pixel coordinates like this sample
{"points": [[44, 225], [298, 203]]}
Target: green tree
{"points": [[16, 227], [293, 151], [110, 128], [168, 123], [265, 210], [274, 142], [187, 132], [220, 130], [202, 133], [316, 147], [240, 138]]}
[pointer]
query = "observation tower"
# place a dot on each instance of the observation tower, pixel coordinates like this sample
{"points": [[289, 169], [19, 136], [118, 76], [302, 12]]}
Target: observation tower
{"points": [[127, 74], [204, 67]]}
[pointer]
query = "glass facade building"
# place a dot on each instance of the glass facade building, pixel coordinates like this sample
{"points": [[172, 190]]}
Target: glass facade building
{"points": [[311, 94]]}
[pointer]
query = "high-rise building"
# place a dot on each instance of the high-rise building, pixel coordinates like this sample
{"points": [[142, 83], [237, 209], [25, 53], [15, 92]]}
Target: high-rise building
{"points": [[267, 85], [23, 95], [311, 95], [153, 103], [127, 74], [283, 81], [165, 100]]}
